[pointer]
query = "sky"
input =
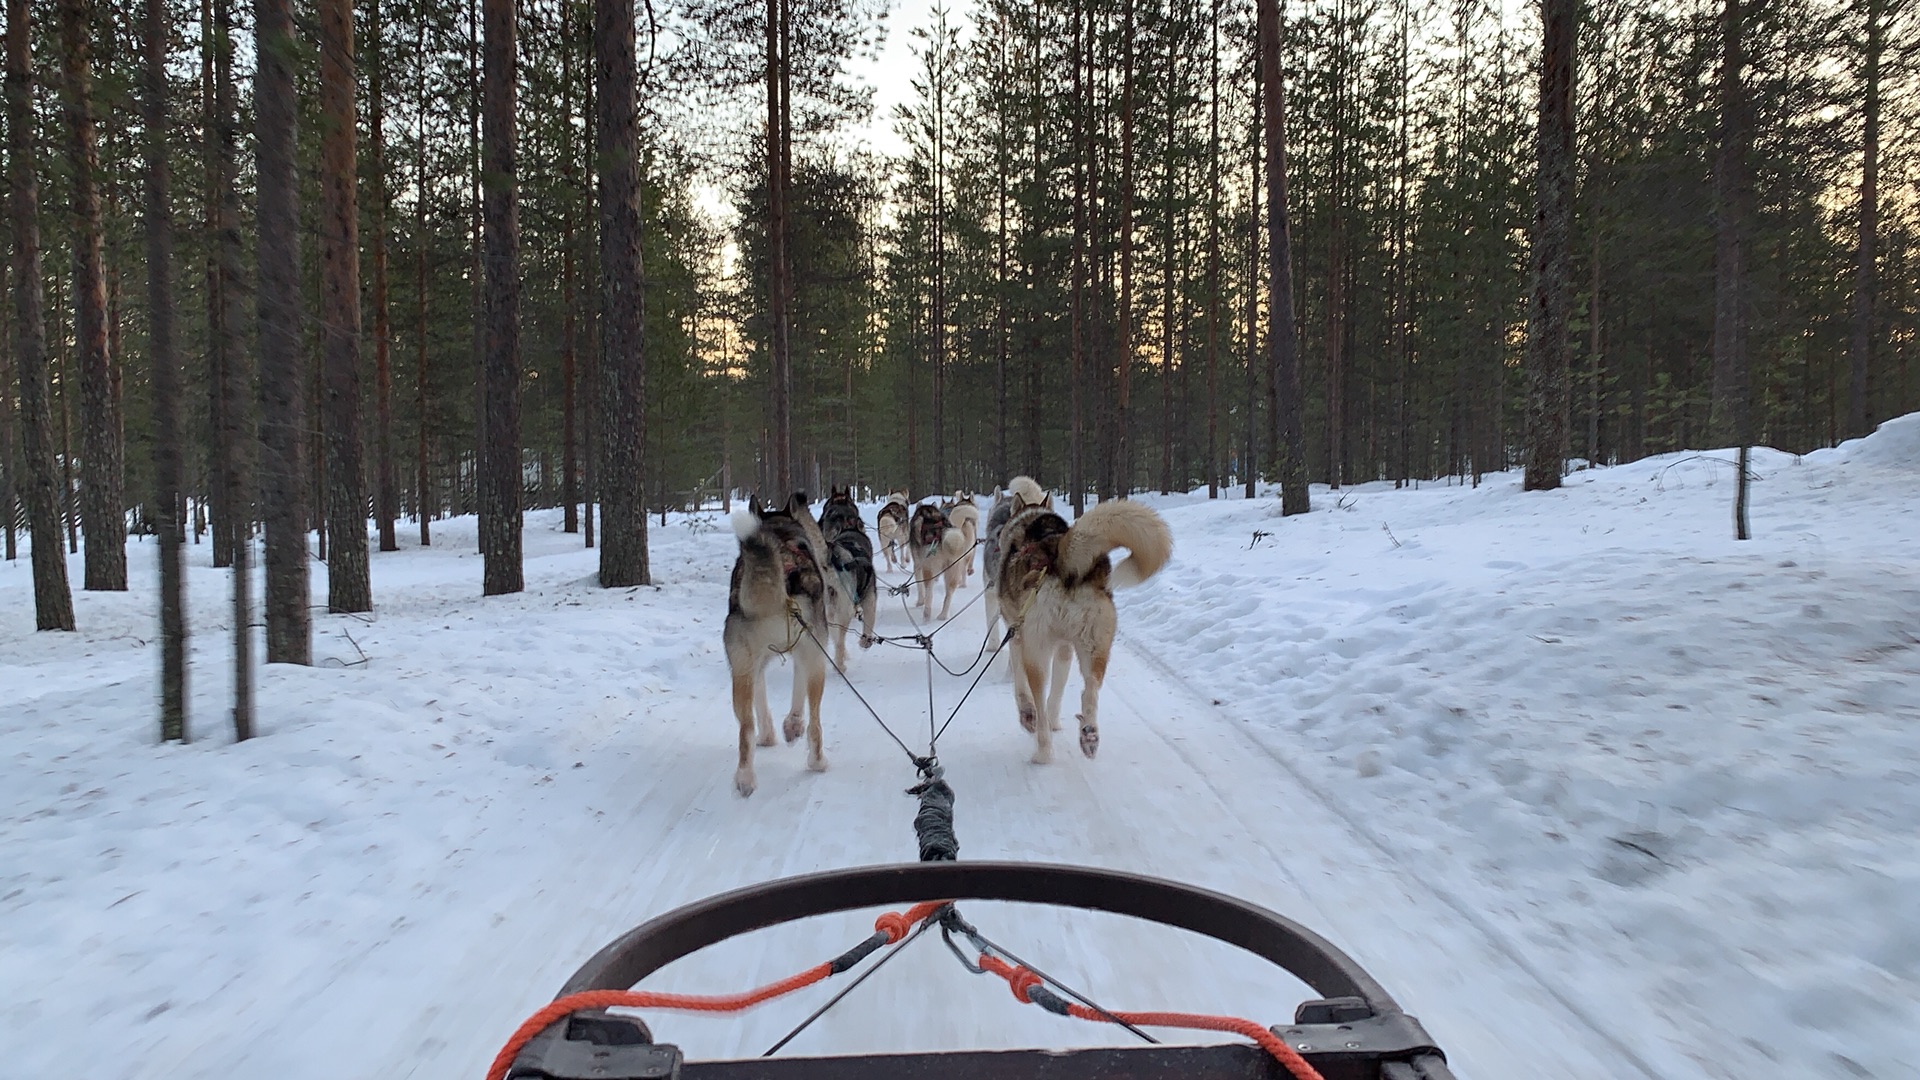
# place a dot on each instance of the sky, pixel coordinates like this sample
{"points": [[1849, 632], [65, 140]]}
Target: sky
{"points": [[891, 74]]}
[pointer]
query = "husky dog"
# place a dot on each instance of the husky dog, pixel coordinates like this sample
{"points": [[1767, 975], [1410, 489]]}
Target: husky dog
{"points": [[964, 515], [939, 552], [997, 516], [1056, 586], [893, 530], [777, 583], [850, 553]]}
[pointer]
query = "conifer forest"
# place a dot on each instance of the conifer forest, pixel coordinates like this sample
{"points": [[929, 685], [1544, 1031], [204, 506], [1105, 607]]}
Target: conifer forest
{"points": [[285, 269]]}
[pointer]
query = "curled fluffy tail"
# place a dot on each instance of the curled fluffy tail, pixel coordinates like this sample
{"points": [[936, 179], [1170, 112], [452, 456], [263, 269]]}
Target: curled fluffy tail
{"points": [[1122, 523], [745, 523], [1028, 489]]}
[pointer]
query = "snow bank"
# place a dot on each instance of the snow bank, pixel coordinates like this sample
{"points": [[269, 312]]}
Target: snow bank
{"points": [[1666, 764], [1893, 445]]}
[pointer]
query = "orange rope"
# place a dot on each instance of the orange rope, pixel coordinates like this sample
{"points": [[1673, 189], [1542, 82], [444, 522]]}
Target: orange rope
{"points": [[893, 924], [1022, 980]]}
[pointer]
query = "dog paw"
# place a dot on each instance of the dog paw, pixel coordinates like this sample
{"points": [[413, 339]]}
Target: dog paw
{"points": [[817, 762], [793, 727], [1089, 740], [866, 641], [743, 782], [1029, 719], [1042, 756]]}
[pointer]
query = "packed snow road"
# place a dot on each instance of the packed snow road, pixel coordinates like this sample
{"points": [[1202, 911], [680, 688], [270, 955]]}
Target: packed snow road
{"points": [[422, 847]]}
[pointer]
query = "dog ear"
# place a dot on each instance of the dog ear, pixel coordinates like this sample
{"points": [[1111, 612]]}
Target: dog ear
{"points": [[797, 503]]}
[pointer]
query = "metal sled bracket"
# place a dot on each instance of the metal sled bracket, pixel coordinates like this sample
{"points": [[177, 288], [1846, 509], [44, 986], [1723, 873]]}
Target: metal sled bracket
{"points": [[596, 1046]]}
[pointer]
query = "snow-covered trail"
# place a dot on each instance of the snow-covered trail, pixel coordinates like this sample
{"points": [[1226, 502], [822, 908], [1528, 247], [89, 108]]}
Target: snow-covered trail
{"points": [[1425, 723], [1178, 791]]}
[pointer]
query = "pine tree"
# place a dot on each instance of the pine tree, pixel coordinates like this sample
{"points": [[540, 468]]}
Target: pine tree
{"points": [[168, 432], [1284, 365], [500, 467], [1547, 363], [348, 586], [623, 359], [52, 597], [102, 498], [283, 488]]}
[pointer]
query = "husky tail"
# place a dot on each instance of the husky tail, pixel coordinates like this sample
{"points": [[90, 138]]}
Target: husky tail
{"points": [[1028, 489], [746, 522], [1122, 523]]}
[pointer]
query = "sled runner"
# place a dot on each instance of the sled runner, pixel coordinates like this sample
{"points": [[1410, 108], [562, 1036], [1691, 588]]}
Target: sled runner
{"points": [[1353, 1031]]}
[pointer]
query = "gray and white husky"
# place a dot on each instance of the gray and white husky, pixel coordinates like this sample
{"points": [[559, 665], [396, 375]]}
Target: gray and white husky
{"points": [[776, 605], [854, 586]]}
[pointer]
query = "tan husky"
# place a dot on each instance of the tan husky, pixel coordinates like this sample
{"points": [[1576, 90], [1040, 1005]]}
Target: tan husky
{"points": [[1056, 589], [963, 514], [892, 524], [778, 581]]}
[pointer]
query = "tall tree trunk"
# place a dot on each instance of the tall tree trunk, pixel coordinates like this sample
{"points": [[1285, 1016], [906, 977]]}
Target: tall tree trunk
{"points": [[1167, 289], [477, 278], [1283, 359], [1213, 258], [777, 254], [1547, 364], [1866, 275], [283, 414], [424, 502], [590, 440], [622, 359], [1402, 278], [938, 321], [569, 428], [169, 471], [1731, 191], [9, 458], [500, 476], [1037, 181], [52, 597], [237, 437], [1595, 367], [212, 130], [69, 496], [1083, 153], [1003, 151], [348, 587], [386, 505], [1250, 467], [1336, 256], [102, 495], [1123, 352]]}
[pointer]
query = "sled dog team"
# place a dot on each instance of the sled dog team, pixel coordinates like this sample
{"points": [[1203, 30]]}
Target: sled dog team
{"points": [[798, 583]]}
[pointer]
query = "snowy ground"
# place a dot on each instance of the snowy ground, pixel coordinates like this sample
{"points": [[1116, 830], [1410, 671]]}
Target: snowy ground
{"points": [[1594, 790]]}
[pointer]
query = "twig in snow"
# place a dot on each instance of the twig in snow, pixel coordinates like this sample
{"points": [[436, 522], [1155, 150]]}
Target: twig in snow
{"points": [[364, 658], [1648, 852], [1258, 535], [1659, 482], [1389, 532]]}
